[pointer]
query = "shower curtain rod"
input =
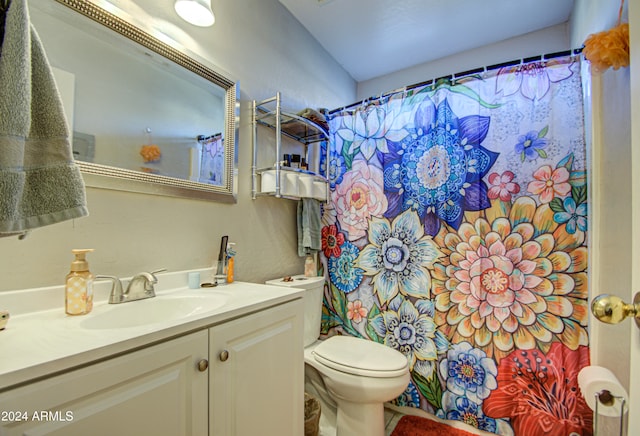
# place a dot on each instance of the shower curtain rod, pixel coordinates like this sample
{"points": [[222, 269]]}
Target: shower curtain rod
{"points": [[206, 138], [545, 57]]}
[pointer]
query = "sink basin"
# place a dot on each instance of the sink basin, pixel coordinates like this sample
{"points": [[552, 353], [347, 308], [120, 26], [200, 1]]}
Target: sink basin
{"points": [[151, 311]]}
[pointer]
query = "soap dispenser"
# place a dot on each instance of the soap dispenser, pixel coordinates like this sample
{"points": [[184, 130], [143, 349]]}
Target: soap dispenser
{"points": [[79, 285]]}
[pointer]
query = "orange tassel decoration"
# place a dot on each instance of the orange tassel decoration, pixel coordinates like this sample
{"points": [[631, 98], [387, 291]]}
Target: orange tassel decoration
{"points": [[608, 49], [150, 153]]}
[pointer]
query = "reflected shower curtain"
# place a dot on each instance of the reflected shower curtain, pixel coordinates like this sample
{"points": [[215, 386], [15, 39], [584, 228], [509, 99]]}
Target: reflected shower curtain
{"points": [[457, 234]]}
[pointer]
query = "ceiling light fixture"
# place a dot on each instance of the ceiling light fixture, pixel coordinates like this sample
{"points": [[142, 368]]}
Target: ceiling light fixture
{"points": [[196, 12]]}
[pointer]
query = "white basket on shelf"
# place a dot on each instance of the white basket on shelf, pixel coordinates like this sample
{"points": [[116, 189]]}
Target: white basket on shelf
{"points": [[288, 183]]}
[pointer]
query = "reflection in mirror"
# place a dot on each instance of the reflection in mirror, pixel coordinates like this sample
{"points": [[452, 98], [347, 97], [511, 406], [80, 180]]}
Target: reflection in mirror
{"points": [[145, 117]]}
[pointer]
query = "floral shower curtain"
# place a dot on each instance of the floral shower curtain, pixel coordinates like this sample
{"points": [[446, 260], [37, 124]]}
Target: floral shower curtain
{"points": [[457, 234]]}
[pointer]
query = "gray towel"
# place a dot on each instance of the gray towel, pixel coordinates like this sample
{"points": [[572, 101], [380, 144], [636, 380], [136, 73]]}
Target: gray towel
{"points": [[309, 231], [40, 183]]}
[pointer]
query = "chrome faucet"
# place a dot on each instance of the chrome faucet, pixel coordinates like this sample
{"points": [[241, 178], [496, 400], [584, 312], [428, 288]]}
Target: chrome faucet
{"points": [[116, 295], [139, 288]]}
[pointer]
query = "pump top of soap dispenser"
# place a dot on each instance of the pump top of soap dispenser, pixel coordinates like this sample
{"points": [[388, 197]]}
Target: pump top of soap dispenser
{"points": [[80, 262]]}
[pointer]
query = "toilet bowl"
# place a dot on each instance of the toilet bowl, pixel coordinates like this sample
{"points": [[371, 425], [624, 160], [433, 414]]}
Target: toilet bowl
{"points": [[359, 375]]}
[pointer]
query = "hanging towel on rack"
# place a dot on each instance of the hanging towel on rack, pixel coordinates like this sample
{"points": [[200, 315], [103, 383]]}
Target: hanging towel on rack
{"points": [[309, 232], [40, 183]]}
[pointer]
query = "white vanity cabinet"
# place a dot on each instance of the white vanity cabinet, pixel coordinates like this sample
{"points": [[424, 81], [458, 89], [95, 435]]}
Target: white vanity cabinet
{"points": [[256, 376], [241, 376], [157, 391]]}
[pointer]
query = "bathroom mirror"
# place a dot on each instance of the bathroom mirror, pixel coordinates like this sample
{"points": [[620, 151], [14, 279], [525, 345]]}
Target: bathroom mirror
{"points": [[145, 116]]}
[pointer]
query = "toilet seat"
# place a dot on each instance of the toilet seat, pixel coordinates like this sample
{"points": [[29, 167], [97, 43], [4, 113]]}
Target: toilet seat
{"points": [[360, 357]]}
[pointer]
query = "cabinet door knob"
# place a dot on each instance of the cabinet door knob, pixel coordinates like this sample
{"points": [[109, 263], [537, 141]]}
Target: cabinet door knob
{"points": [[224, 355], [203, 365]]}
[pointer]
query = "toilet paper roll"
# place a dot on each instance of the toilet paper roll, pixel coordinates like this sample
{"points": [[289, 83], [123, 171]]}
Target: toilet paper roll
{"points": [[595, 379]]}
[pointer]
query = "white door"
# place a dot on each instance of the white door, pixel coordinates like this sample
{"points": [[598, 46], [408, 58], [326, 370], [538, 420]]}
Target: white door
{"points": [[634, 381], [615, 217]]}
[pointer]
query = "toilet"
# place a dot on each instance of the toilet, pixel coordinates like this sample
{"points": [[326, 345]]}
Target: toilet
{"points": [[358, 375]]}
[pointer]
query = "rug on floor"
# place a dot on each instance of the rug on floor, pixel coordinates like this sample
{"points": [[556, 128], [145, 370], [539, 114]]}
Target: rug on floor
{"points": [[410, 425]]}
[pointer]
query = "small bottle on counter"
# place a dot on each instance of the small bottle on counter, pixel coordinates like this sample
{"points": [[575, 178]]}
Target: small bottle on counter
{"points": [[79, 285], [231, 254]]}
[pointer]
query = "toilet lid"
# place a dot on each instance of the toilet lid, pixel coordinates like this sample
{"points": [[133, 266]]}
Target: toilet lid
{"points": [[360, 357]]}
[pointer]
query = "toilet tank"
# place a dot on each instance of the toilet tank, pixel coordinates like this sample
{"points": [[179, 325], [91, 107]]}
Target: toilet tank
{"points": [[312, 299]]}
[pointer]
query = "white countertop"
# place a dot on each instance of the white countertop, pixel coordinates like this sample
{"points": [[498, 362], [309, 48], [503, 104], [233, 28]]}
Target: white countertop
{"points": [[40, 343]]}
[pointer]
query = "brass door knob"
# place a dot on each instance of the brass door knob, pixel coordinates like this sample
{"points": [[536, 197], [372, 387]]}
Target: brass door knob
{"points": [[612, 310], [203, 365], [224, 355]]}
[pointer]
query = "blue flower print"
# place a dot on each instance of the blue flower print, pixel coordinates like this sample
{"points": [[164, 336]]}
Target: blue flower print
{"points": [[342, 271], [469, 372], [574, 216], [337, 165], [531, 145], [398, 257], [337, 168], [461, 409], [437, 171], [409, 398], [411, 330], [372, 127]]}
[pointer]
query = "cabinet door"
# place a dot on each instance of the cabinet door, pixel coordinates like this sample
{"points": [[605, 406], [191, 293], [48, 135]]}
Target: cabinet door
{"points": [[257, 374], [154, 391]]}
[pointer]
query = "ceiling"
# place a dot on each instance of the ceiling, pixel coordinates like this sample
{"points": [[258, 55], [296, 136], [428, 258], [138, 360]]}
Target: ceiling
{"points": [[371, 38]]}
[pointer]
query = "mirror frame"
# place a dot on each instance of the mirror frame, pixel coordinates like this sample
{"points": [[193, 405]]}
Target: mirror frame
{"points": [[109, 177]]}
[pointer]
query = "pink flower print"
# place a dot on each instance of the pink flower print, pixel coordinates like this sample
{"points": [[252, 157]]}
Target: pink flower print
{"points": [[359, 198], [550, 182], [355, 311], [502, 186], [503, 286]]}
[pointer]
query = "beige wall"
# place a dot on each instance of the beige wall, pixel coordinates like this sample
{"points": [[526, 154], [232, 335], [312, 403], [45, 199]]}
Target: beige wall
{"points": [[262, 46], [549, 40]]}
